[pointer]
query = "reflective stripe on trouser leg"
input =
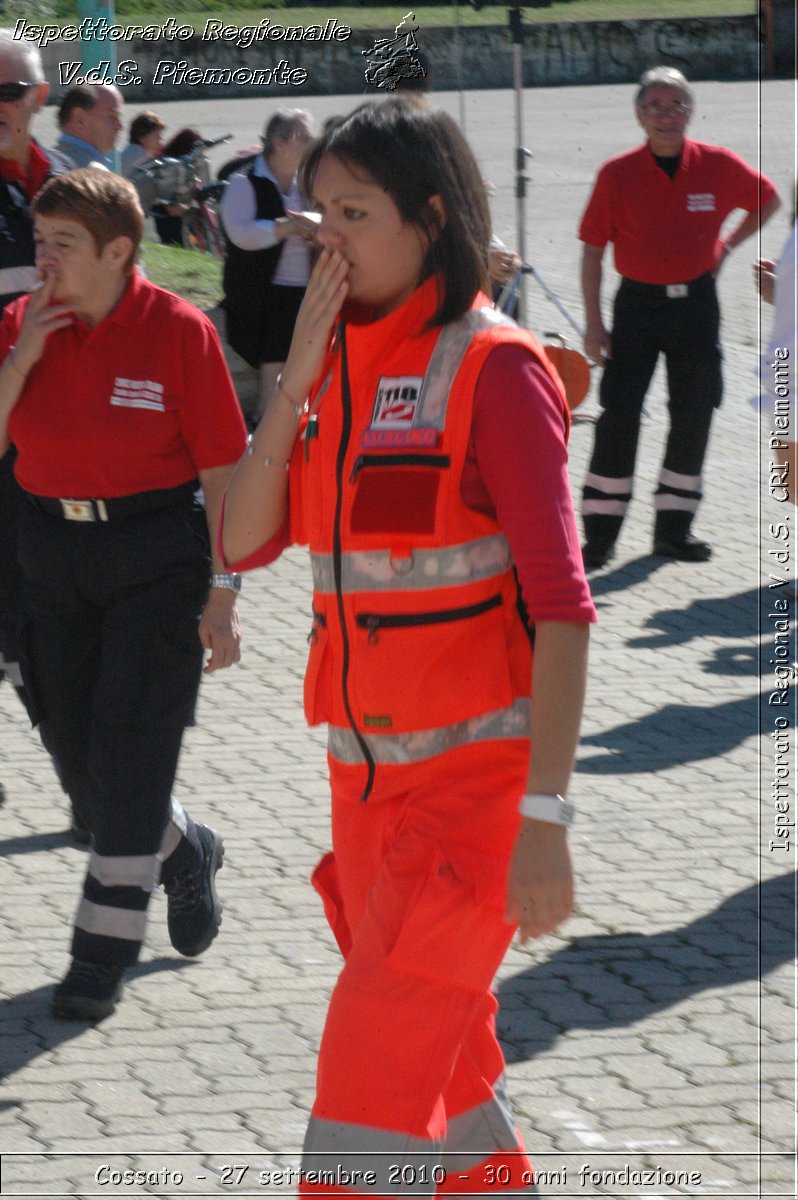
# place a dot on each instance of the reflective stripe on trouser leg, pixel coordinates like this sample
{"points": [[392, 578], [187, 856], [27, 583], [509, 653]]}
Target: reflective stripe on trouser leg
{"points": [[176, 828], [129, 829], [475, 1150], [677, 492], [676, 501], [180, 847], [483, 1149], [604, 504], [409, 1047], [624, 382], [695, 386], [112, 915]]}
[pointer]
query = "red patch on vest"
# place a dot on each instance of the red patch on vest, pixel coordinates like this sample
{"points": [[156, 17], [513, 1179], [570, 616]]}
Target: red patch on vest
{"points": [[399, 437], [395, 500]]}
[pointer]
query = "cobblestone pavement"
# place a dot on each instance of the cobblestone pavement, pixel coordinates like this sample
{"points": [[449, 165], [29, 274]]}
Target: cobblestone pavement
{"points": [[656, 1032]]}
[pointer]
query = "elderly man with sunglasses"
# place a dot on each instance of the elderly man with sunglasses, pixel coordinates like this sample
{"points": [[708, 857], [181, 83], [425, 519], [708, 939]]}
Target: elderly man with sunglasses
{"points": [[662, 206], [24, 167]]}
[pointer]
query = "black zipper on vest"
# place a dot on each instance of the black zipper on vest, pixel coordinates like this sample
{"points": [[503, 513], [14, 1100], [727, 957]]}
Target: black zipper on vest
{"points": [[375, 621], [398, 460], [346, 429]]}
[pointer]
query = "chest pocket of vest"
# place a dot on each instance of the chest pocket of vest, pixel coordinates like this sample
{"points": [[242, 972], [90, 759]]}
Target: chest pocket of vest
{"points": [[396, 493]]}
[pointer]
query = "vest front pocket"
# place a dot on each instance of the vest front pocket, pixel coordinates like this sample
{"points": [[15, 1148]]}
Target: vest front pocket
{"points": [[396, 493], [318, 673], [419, 670]]}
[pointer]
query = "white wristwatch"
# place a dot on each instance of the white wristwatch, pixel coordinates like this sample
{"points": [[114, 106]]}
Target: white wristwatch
{"points": [[544, 807]]}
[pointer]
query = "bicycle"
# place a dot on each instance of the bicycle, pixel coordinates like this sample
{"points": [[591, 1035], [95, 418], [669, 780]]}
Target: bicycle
{"points": [[185, 183], [201, 226]]}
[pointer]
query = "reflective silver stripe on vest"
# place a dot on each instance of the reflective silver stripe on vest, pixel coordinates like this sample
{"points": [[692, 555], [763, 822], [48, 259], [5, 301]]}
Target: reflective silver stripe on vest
{"points": [[423, 570], [480, 1132], [140, 870], [400, 748], [338, 1154], [447, 358], [110, 922]]}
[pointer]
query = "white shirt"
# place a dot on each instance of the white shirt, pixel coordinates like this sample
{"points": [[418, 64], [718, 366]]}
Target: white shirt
{"points": [[238, 210]]}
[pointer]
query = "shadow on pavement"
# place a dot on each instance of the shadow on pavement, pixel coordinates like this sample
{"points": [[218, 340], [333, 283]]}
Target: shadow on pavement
{"points": [[673, 736], [618, 579], [34, 842], [707, 616], [27, 1030], [614, 981]]}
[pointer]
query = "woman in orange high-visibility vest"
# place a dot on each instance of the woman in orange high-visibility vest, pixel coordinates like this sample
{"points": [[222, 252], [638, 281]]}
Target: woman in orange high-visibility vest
{"points": [[416, 444]]}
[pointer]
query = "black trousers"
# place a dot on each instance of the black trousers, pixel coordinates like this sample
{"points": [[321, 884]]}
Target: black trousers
{"points": [[111, 659], [11, 500], [686, 330]]}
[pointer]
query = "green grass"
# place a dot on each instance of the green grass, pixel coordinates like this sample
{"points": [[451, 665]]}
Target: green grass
{"points": [[194, 276], [384, 17]]}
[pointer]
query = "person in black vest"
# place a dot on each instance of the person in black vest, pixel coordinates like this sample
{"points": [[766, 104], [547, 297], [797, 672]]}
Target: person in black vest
{"points": [[269, 253]]}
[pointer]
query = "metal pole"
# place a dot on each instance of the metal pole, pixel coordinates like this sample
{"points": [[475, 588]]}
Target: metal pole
{"points": [[458, 58], [555, 299], [98, 52], [521, 153]]}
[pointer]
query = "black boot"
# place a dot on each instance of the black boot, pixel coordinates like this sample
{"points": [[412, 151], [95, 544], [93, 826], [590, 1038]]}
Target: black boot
{"points": [[673, 539], [88, 992], [601, 533], [194, 911]]}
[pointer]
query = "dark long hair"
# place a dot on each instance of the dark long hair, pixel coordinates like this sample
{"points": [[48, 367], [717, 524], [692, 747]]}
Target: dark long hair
{"points": [[415, 152], [182, 143]]}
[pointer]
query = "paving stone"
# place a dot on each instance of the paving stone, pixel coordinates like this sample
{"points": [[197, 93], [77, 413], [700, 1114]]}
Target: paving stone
{"points": [[60, 1122]]}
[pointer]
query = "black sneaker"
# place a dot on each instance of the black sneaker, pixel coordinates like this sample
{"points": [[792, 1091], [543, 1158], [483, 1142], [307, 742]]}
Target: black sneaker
{"points": [[597, 552], [194, 910], [686, 549], [88, 993]]}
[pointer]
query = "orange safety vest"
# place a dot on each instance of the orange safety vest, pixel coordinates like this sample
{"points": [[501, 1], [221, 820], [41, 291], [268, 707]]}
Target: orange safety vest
{"points": [[418, 643]]}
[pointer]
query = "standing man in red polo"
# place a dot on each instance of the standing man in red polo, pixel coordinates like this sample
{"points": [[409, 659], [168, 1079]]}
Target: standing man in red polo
{"points": [[662, 206]]}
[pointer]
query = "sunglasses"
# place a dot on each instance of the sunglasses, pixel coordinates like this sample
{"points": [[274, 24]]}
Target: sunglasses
{"points": [[9, 92]]}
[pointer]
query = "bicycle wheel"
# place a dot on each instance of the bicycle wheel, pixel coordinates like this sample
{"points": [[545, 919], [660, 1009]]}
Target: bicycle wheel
{"points": [[214, 238], [192, 231]]}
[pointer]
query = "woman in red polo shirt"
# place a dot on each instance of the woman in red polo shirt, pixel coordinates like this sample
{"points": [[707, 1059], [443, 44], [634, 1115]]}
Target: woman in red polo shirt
{"points": [[117, 399]]}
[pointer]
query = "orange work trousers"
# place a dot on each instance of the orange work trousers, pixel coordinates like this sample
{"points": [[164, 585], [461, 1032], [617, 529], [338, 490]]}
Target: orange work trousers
{"points": [[410, 1093]]}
